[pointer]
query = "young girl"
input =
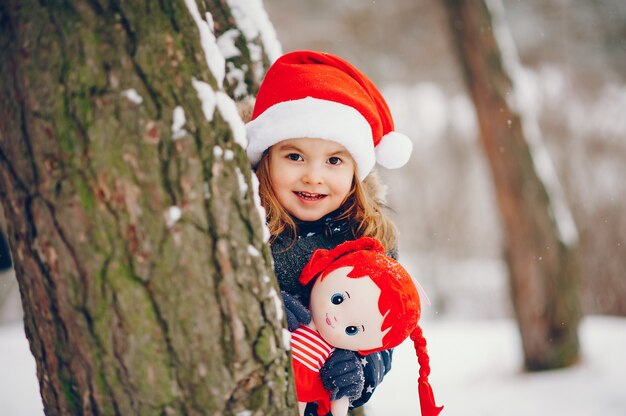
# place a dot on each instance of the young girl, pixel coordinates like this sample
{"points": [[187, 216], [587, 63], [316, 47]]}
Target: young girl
{"points": [[361, 300], [318, 128]]}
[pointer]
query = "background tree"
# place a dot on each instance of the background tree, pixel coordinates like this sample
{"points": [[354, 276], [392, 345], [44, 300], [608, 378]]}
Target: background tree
{"points": [[541, 238], [137, 242]]}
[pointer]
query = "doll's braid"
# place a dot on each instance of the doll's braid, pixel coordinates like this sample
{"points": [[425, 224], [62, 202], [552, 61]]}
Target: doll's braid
{"points": [[427, 399]]}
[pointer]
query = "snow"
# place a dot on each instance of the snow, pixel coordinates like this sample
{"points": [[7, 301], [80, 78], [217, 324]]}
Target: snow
{"points": [[178, 121], [214, 59], [278, 303], [475, 371], [19, 388], [251, 17], [237, 76], [524, 99], [207, 98], [241, 180], [228, 110], [261, 211], [253, 251], [226, 44], [133, 96], [172, 216]]}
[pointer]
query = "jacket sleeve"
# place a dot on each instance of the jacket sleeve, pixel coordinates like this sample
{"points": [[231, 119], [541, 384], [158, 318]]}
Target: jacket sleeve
{"points": [[376, 366]]}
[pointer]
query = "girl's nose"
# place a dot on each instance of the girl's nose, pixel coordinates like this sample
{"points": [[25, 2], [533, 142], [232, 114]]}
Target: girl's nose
{"points": [[313, 175]]}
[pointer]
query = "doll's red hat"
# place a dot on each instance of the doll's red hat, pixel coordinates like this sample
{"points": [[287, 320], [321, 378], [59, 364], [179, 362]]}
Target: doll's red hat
{"points": [[307, 94]]}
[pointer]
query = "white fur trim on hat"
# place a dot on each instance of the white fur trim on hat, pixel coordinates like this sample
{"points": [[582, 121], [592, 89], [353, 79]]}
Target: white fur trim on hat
{"points": [[394, 150], [315, 119]]}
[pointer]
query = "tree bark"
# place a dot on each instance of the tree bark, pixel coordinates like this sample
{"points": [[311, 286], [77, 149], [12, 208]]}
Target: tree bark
{"points": [[138, 246], [542, 261]]}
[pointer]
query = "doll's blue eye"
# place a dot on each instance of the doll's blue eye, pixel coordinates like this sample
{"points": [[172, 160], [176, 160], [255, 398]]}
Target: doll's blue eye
{"points": [[337, 298], [352, 330]]}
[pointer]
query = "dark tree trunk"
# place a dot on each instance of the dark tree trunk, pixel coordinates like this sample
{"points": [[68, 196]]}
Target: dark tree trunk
{"points": [[137, 242], [544, 276]]}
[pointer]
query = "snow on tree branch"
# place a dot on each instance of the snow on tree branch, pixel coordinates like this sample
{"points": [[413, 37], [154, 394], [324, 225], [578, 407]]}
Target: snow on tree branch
{"points": [[521, 101]]}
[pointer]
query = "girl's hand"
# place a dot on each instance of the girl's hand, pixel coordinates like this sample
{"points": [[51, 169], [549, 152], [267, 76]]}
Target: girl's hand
{"points": [[342, 375], [297, 314]]}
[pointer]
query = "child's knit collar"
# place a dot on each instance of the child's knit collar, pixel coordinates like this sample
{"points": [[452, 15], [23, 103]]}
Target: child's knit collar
{"points": [[328, 224]]}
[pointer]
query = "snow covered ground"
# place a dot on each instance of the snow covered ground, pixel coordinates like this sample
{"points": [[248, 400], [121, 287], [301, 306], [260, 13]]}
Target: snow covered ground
{"points": [[475, 372]]}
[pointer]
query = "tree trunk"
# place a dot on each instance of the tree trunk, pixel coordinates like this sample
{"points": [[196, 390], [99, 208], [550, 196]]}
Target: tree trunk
{"points": [[137, 242], [540, 240]]}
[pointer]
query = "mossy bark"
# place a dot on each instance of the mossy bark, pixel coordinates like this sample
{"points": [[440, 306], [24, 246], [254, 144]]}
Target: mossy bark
{"points": [[130, 308], [543, 270]]}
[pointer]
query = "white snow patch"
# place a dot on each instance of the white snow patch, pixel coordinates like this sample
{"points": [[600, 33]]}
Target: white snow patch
{"points": [[252, 250], [278, 303], [207, 98], [484, 376], [286, 339], [172, 215], [215, 60], [260, 209], [251, 17], [228, 110], [178, 121], [237, 75], [524, 100], [19, 389], [241, 180], [133, 96], [226, 43]]}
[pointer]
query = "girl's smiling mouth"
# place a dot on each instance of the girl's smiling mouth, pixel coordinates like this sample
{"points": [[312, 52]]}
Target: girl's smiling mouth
{"points": [[309, 196]]}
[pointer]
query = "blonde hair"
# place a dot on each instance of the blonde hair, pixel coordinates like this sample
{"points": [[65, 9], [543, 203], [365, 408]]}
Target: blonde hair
{"points": [[364, 208]]}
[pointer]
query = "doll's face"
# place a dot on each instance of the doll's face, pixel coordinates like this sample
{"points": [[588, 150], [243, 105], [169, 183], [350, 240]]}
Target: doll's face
{"points": [[345, 311]]}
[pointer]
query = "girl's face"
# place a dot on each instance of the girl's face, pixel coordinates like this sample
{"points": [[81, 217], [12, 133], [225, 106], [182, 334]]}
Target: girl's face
{"points": [[345, 311], [310, 177]]}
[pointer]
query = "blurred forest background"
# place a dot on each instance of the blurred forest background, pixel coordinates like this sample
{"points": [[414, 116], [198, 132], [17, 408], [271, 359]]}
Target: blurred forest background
{"points": [[574, 55]]}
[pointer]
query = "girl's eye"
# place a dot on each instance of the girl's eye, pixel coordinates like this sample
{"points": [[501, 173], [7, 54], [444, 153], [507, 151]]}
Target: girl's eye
{"points": [[337, 298], [295, 157], [334, 160], [352, 330]]}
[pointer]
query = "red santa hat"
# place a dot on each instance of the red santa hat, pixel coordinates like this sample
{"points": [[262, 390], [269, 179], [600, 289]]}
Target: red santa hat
{"points": [[399, 300], [307, 94]]}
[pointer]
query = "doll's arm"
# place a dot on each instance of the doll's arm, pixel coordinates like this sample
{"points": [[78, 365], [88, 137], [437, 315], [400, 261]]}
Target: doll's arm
{"points": [[340, 406]]}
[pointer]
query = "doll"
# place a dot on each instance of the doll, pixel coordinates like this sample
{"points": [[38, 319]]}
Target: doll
{"points": [[361, 300]]}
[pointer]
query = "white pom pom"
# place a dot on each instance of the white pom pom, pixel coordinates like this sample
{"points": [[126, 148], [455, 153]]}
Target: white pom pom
{"points": [[394, 150]]}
